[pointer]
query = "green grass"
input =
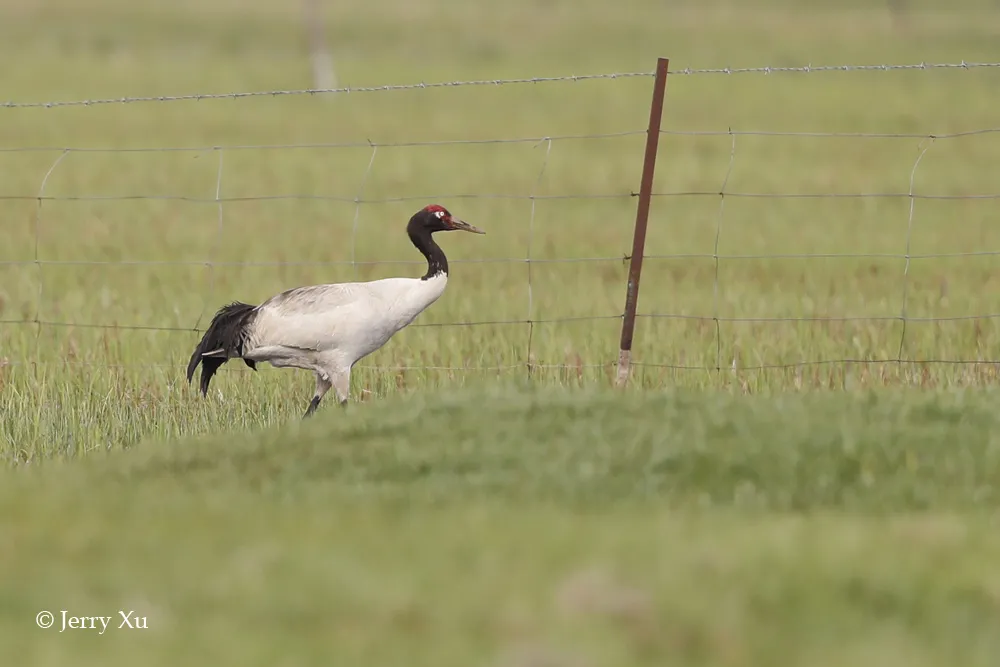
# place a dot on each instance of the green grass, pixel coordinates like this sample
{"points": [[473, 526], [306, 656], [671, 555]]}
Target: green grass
{"points": [[167, 263], [486, 499], [506, 525]]}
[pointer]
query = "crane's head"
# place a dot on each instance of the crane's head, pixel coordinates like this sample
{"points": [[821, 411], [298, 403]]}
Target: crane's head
{"points": [[435, 218]]}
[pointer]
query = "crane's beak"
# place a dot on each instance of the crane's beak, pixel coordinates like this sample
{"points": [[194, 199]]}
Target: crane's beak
{"points": [[464, 226]]}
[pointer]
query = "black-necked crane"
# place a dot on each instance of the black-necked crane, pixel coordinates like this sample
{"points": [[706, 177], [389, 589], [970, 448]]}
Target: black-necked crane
{"points": [[328, 328]]}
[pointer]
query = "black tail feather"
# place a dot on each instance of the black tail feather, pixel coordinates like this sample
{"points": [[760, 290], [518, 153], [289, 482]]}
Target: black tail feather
{"points": [[227, 331]]}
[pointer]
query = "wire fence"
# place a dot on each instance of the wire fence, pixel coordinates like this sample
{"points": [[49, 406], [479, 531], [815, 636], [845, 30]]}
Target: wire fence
{"points": [[805, 69], [717, 319]]}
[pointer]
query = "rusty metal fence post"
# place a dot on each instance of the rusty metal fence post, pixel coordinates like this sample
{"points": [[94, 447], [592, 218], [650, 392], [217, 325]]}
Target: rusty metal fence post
{"points": [[641, 219]]}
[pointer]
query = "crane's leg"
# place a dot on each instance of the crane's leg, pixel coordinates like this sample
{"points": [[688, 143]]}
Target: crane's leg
{"points": [[342, 385], [322, 386]]}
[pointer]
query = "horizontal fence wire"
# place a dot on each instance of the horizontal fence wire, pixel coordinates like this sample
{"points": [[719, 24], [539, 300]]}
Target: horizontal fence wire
{"points": [[609, 365], [237, 369], [818, 318], [840, 361], [804, 69], [479, 323], [486, 142], [323, 145], [345, 262], [498, 260], [469, 195], [508, 368], [530, 320]]}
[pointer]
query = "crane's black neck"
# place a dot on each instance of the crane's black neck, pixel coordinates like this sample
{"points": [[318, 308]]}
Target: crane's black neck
{"points": [[436, 261]]}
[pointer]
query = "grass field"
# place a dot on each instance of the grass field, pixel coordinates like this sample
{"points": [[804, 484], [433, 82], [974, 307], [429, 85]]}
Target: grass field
{"points": [[168, 263], [487, 499], [523, 527]]}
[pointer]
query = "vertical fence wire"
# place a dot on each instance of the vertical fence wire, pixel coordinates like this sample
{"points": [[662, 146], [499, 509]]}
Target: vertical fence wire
{"points": [[213, 254], [358, 199], [909, 235], [531, 236], [38, 240], [715, 254]]}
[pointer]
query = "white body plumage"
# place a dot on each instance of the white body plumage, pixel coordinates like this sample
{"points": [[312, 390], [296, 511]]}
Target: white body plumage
{"points": [[328, 328], [333, 326]]}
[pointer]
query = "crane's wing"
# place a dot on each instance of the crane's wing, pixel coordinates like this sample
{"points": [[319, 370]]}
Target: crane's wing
{"points": [[315, 317], [315, 298]]}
